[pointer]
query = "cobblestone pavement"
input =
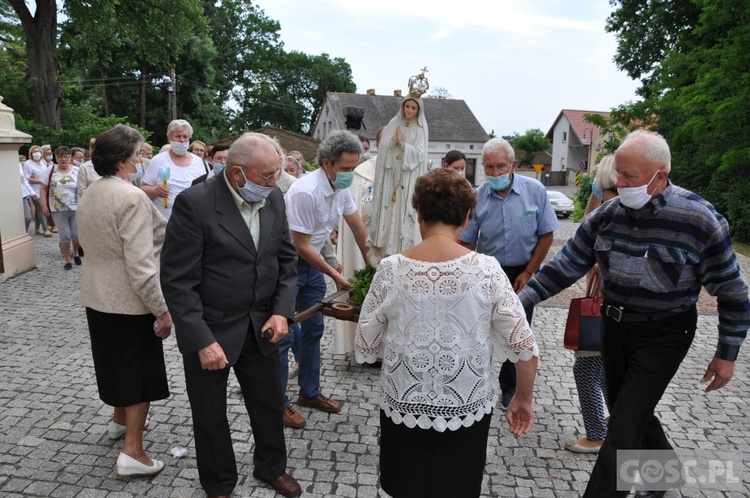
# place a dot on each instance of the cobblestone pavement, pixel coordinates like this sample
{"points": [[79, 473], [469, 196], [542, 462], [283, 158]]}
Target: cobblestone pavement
{"points": [[53, 428]]}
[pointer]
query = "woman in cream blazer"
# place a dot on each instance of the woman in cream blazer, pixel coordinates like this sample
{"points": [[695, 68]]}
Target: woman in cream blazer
{"points": [[128, 319]]}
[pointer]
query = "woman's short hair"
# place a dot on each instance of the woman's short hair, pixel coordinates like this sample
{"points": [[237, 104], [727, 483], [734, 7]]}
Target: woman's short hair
{"points": [[606, 174], [62, 150], [113, 146], [75, 150], [178, 125], [33, 148], [197, 142], [218, 148], [442, 195], [452, 156]]}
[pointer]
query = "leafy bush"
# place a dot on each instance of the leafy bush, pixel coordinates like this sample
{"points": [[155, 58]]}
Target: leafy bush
{"points": [[582, 197], [360, 283]]}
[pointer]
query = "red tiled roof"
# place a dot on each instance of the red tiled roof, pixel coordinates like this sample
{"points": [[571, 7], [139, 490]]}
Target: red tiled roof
{"points": [[580, 127]]}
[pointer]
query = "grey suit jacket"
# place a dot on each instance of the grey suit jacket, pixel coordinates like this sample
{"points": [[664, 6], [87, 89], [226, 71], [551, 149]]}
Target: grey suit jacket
{"points": [[215, 281]]}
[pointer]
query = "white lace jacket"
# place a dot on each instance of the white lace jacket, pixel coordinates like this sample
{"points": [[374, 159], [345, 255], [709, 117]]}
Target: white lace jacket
{"points": [[434, 325]]}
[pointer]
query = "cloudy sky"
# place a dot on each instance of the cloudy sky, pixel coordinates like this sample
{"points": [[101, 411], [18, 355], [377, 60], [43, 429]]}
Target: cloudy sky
{"points": [[516, 63]]}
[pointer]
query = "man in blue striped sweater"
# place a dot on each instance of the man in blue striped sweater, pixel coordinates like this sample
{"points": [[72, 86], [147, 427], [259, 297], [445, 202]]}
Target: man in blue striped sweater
{"points": [[656, 244]]}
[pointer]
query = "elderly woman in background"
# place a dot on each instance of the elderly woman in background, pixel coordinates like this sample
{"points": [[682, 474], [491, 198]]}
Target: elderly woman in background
{"points": [[199, 149], [432, 314], [455, 160], [123, 234], [59, 195], [178, 166], [34, 169], [588, 369]]}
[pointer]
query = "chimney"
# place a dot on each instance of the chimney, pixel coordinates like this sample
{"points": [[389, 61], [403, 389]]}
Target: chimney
{"points": [[371, 91], [396, 93]]}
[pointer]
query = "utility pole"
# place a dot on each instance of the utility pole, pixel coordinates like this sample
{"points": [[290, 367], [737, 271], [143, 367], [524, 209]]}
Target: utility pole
{"points": [[173, 94]]}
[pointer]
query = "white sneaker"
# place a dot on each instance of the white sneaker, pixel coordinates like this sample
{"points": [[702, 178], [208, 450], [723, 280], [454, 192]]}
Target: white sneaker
{"points": [[130, 467], [47, 233], [116, 431]]}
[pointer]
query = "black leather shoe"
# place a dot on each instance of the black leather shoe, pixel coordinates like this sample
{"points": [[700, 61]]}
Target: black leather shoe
{"points": [[284, 484]]}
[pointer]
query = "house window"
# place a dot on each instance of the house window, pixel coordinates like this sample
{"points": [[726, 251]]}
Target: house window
{"points": [[565, 137], [562, 164], [447, 146], [471, 147]]}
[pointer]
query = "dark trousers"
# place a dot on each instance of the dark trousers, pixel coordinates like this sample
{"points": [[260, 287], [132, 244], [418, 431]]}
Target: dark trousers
{"points": [[640, 359], [507, 375], [260, 382]]}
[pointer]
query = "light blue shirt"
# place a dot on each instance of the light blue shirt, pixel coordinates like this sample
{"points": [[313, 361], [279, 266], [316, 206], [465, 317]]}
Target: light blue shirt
{"points": [[509, 228]]}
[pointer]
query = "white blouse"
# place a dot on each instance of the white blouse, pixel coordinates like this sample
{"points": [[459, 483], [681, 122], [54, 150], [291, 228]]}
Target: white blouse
{"points": [[434, 325]]}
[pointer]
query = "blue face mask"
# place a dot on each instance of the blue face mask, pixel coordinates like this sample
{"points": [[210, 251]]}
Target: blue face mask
{"points": [[343, 180], [597, 191], [499, 182], [218, 168]]}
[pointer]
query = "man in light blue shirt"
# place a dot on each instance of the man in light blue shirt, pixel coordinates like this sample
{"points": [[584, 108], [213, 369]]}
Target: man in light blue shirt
{"points": [[513, 222]]}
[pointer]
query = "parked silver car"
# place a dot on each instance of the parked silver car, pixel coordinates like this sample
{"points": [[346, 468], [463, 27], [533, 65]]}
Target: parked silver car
{"points": [[561, 203]]}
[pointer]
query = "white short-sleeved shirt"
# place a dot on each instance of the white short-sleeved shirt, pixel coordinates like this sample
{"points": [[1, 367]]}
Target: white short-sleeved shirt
{"points": [[37, 171], [180, 178], [314, 208]]}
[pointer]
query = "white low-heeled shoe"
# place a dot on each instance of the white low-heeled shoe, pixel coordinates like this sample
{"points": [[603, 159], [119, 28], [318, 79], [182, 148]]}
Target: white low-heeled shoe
{"points": [[130, 467], [116, 431]]}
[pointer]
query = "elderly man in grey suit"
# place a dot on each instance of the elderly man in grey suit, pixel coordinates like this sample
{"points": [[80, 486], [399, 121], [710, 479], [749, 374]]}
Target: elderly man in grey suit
{"points": [[228, 273]]}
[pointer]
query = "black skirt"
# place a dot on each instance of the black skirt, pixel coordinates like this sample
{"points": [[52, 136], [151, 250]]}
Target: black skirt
{"points": [[128, 358], [422, 463]]}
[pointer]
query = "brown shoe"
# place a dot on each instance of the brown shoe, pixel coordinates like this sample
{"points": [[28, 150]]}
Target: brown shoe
{"points": [[292, 418], [321, 403], [284, 484]]}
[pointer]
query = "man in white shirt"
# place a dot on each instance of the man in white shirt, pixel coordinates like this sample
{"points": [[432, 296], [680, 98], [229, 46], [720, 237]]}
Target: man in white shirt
{"points": [[314, 204]]}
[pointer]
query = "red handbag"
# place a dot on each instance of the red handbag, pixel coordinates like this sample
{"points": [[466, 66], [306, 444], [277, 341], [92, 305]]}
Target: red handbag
{"points": [[583, 327]]}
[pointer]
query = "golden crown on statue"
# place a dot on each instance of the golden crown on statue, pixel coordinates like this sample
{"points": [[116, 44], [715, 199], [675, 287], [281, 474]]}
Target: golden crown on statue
{"points": [[418, 85]]}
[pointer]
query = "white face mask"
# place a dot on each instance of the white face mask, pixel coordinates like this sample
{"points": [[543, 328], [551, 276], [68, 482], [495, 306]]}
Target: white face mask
{"points": [[635, 197], [36, 156], [179, 148], [77, 163], [252, 192]]}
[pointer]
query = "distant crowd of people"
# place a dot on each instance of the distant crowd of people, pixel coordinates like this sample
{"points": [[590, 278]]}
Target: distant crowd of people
{"points": [[226, 244]]}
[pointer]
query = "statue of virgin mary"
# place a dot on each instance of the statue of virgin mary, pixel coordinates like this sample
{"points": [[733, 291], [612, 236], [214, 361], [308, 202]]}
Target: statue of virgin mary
{"points": [[401, 159]]}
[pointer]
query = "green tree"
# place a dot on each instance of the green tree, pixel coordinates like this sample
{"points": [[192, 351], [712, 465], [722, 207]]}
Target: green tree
{"points": [[440, 92], [531, 143], [13, 61], [647, 31], [698, 87], [42, 65]]}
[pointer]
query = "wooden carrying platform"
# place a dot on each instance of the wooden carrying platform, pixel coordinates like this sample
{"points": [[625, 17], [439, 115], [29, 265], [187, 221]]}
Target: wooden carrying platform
{"points": [[336, 305]]}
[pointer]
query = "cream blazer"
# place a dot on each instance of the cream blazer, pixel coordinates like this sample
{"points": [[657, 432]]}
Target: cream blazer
{"points": [[122, 233]]}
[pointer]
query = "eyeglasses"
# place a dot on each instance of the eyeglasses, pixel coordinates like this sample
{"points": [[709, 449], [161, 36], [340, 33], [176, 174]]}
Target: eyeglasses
{"points": [[266, 178]]}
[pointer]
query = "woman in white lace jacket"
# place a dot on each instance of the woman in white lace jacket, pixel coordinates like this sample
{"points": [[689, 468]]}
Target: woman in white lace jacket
{"points": [[440, 316]]}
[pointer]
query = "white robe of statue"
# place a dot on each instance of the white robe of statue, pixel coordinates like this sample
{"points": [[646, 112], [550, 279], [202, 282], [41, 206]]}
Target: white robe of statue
{"points": [[347, 250], [394, 226]]}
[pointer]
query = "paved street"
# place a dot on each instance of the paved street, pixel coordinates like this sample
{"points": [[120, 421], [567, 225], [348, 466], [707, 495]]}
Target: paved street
{"points": [[53, 428]]}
